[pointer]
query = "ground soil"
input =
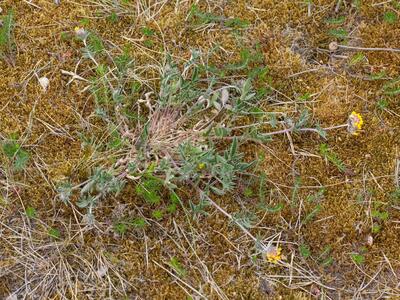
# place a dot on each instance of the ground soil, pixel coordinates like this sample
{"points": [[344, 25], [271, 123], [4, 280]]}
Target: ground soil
{"points": [[295, 47]]}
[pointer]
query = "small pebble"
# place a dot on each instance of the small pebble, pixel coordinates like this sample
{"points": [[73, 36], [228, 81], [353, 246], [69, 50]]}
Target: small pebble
{"points": [[370, 240], [44, 82], [333, 46]]}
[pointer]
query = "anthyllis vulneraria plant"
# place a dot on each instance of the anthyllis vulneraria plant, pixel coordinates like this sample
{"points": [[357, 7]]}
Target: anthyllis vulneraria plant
{"points": [[184, 132], [165, 138]]}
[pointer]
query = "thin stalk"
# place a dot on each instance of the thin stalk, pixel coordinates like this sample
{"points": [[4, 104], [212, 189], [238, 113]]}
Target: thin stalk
{"points": [[229, 216], [368, 49]]}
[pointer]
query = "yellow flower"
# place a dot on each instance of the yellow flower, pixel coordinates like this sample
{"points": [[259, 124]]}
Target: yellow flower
{"points": [[273, 254], [354, 123], [201, 166]]}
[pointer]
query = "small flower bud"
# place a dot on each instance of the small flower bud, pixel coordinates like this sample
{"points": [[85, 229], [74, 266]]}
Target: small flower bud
{"points": [[80, 33]]}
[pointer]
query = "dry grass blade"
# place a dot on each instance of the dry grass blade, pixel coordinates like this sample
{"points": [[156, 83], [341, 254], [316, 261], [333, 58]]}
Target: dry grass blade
{"points": [[40, 268]]}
